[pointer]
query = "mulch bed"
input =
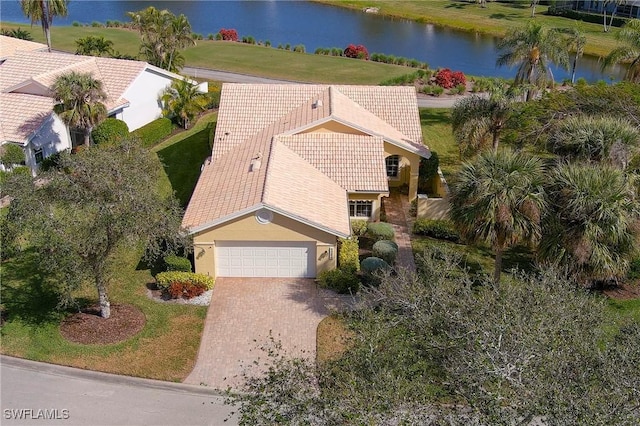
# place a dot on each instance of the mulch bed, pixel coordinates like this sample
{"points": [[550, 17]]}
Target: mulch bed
{"points": [[89, 328], [623, 291]]}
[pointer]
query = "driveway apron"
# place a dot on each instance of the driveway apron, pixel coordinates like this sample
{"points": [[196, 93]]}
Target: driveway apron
{"points": [[245, 312]]}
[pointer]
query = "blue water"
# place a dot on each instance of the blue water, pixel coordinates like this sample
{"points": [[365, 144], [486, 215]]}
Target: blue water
{"points": [[315, 25]]}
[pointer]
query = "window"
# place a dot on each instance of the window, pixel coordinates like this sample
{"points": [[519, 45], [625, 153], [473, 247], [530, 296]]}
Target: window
{"points": [[39, 155], [360, 208], [393, 166]]}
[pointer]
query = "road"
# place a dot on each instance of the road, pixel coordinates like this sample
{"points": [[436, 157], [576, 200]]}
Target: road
{"points": [[43, 394], [424, 101]]}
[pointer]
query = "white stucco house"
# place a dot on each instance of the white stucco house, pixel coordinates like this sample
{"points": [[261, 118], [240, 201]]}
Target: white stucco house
{"points": [[27, 72]]}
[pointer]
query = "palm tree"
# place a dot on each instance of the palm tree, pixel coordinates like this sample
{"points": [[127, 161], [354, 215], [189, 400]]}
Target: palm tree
{"points": [[592, 225], [629, 35], [499, 199], [44, 11], [478, 120], [577, 41], [94, 46], [79, 98], [183, 101], [533, 49]]}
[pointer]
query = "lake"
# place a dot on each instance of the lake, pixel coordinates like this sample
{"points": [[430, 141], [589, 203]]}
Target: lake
{"points": [[315, 25]]}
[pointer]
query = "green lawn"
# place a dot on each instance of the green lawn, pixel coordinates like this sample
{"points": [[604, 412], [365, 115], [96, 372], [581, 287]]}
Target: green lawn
{"points": [[436, 132], [166, 348], [495, 19]]}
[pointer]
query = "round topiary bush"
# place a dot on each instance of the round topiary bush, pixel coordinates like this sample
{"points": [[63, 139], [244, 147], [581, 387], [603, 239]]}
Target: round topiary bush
{"points": [[380, 231], [373, 264], [386, 250], [177, 263], [109, 130]]}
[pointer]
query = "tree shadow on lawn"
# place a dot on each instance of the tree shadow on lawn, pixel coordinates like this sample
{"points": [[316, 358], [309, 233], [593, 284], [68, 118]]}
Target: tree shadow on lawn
{"points": [[27, 293], [182, 162]]}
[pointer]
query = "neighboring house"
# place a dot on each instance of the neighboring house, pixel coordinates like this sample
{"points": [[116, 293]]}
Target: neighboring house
{"points": [[26, 107], [626, 9], [291, 165]]}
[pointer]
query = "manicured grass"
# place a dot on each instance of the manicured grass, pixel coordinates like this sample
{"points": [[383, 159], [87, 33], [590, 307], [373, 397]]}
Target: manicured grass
{"points": [[183, 154], [436, 132], [165, 349], [495, 19]]}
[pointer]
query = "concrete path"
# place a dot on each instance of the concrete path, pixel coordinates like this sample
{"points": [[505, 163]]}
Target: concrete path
{"points": [[244, 312], [35, 393], [396, 217]]}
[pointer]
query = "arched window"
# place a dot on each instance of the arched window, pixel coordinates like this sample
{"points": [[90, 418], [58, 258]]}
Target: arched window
{"points": [[393, 166]]}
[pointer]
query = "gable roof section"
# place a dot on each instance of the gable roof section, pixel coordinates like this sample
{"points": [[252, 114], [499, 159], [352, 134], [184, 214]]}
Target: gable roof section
{"points": [[354, 162], [22, 115], [10, 46]]}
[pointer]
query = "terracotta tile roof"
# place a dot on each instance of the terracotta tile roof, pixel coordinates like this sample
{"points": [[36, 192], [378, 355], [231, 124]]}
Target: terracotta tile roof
{"points": [[10, 46], [21, 115], [300, 172], [354, 162]]}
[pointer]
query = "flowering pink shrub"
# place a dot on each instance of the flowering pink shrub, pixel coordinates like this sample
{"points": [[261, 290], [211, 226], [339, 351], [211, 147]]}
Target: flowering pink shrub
{"points": [[447, 79], [229, 34], [356, 52]]}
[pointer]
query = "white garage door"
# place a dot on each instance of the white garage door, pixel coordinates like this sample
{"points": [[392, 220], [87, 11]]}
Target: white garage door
{"points": [[265, 259]]}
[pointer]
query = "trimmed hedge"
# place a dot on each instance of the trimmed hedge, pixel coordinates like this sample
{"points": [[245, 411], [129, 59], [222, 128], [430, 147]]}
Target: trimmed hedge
{"points": [[359, 227], [165, 279], [440, 229], [154, 132], [177, 263], [386, 250], [348, 254], [380, 231], [343, 281], [109, 130]]}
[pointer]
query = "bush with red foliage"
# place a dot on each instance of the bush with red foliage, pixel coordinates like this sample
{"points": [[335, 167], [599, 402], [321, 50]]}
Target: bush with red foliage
{"points": [[185, 290], [447, 79], [356, 52], [229, 34]]}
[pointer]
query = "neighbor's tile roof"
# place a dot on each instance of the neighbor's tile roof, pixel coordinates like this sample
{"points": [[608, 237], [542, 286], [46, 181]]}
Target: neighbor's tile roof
{"points": [[10, 46], [21, 115], [298, 170], [354, 162]]}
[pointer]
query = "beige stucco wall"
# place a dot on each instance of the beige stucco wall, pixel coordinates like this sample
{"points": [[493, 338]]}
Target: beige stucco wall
{"points": [[247, 228], [409, 168], [433, 208], [375, 198]]}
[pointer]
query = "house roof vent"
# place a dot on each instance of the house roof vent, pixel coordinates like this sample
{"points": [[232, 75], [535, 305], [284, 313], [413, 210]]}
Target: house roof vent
{"points": [[316, 104], [256, 162]]}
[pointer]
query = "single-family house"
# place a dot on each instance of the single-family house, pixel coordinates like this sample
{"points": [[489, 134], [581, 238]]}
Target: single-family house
{"points": [[27, 73], [291, 165]]}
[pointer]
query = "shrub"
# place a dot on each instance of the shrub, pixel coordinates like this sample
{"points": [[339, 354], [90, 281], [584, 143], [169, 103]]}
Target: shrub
{"points": [[76, 24], [336, 51], [249, 40], [177, 263], [459, 89], [428, 169], [447, 79], [348, 254], [356, 52], [218, 36], [51, 162], [437, 91], [359, 227], [634, 269], [287, 46], [299, 48], [110, 130], [369, 267], [440, 229], [380, 231], [386, 250], [164, 279], [11, 154], [342, 281], [96, 24], [228, 34], [185, 290], [267, 43], [152, 133]]}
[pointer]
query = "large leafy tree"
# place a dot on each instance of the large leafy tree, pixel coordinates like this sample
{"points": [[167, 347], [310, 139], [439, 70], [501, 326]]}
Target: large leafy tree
{"points": [[94, 46], [183, 101], [79, 100], [629, 36], [533, 49], [163, 35], [592, 225], [43, 11], [499, 199], [477, 121], [97, 202]]}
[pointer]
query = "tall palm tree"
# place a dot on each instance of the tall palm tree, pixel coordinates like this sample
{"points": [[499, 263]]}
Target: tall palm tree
{"points": [[533, 49], [499, 199], [478, 120], [44, 11], [183, 101], [79, 100], [592, 227], [629, 35], [577, 41]]}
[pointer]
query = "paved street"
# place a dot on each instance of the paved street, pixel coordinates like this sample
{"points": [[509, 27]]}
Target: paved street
{"points": [[44, 394]]}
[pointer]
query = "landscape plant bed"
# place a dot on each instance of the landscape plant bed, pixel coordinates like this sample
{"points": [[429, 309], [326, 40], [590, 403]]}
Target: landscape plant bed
{"points": [[89, 328]]}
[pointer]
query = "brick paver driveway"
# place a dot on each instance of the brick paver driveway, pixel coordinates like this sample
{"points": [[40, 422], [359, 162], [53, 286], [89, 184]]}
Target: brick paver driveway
{"points": [[244, 311]]}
